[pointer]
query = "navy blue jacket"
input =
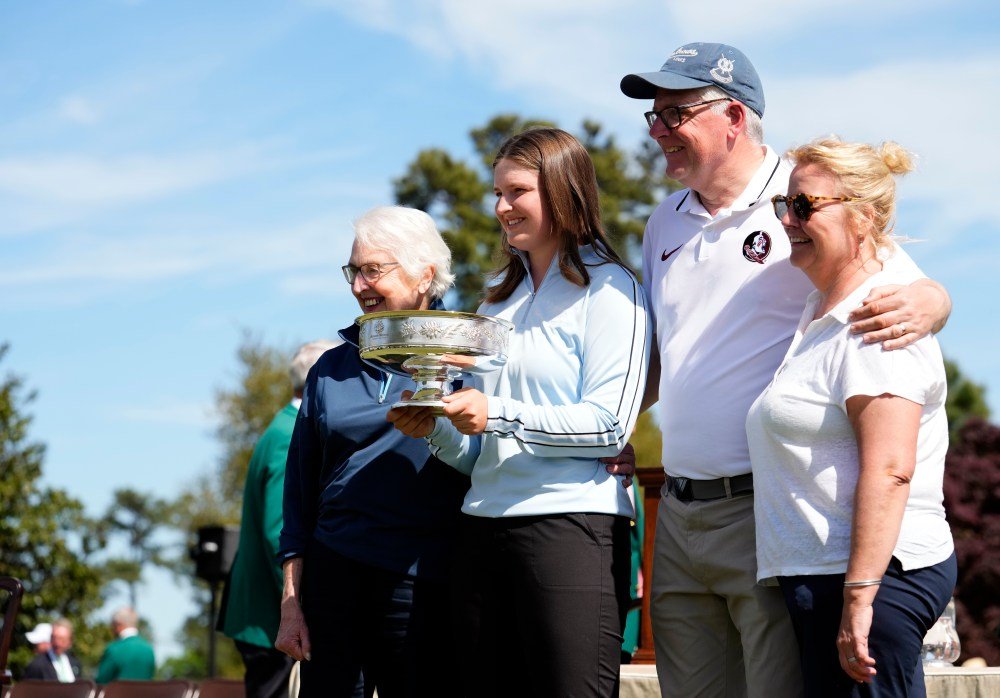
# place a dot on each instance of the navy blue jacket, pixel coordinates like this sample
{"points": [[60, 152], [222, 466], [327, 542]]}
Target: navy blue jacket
{"points": [[356, 484]]}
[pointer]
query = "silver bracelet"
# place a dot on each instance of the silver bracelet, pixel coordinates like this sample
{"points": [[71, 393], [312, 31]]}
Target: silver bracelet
{"points": [[864, 583]]}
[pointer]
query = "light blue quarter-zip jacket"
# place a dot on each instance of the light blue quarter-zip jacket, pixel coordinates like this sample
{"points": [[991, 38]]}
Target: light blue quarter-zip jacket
{"points": [[568, 395]]}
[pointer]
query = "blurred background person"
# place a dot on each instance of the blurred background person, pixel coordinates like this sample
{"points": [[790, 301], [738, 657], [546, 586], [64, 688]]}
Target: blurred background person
{"points": [[633, 621], [130, 656], [251, 606], [369, 514], [848, 441], [58, 663], [40, 637]]}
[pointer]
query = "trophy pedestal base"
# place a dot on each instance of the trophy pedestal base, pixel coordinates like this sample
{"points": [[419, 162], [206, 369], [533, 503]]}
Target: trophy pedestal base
{"points": [[436, 406]]}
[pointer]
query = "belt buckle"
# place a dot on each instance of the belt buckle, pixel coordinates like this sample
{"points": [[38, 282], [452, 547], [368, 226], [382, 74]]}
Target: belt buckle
{"points": [[682, 487]]}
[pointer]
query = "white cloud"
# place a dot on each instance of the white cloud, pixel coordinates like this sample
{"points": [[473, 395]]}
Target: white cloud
{"points": [[144, 257], [939, 111], [726, 20], [567, 55], [81, 179], [79, 110], [39, 192], [171, 412], [574, 53]]}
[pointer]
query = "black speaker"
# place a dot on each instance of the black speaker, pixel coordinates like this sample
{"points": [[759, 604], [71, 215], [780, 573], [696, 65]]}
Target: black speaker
{"points": [[214, 552]]}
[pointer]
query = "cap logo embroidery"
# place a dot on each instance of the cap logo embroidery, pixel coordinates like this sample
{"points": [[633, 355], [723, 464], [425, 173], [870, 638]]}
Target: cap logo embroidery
{"points": [[757, 246], [723, 70], [682, 54]]}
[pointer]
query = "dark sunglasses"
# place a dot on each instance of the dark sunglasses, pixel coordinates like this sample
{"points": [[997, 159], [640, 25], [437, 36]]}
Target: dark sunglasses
{"points": [[801, 204]]}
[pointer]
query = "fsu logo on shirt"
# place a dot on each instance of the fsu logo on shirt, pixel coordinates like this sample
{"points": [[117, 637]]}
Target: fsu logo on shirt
{"points": [[757, 246]]}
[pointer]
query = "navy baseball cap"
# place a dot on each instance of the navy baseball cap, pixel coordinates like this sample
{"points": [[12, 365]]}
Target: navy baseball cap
{"points": [[701, 65]]}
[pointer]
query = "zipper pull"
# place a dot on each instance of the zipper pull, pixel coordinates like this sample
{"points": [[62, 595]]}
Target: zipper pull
{"points": [[384, 390]]}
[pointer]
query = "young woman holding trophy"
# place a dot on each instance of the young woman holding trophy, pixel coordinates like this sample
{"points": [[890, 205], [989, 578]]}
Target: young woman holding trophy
{"points": [[542, 567]]}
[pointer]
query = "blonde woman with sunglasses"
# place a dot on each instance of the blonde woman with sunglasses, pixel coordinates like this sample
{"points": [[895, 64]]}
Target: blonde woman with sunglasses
{"points": [[848, 442]]}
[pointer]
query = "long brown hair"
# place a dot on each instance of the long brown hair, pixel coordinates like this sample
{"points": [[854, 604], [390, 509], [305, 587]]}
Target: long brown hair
{"points": [[568, 186]]}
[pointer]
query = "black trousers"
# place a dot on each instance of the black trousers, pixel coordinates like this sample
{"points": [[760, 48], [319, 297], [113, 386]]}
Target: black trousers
{"points": [[905, 607], [267, 671], [540, 604], [388, 627]]}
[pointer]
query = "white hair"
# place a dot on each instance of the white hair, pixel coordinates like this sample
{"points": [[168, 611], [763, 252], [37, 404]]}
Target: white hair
{"points": [[754, 129], [305, 357], [411, 237], [125, 617]]}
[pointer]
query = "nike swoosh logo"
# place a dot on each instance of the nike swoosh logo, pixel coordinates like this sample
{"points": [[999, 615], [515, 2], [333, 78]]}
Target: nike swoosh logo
{"points": [[663, 257]]}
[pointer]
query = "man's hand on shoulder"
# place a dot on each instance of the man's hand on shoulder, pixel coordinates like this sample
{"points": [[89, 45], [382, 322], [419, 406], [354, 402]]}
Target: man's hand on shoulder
{"points": [[897, 316]]}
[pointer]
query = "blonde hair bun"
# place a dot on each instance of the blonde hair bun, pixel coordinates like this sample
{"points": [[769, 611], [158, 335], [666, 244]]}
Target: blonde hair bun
{"points": [[865, 173], [896, 158]]}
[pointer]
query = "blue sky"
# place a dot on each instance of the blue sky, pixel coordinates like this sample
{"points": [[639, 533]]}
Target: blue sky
{"points": [[172, 173]]}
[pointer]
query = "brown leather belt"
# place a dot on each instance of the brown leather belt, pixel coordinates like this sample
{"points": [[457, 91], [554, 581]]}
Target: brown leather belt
{"points": [[686, 489]]}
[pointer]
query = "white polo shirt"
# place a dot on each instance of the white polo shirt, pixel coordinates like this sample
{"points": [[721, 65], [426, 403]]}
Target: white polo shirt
{"points": [[725, 302], [805, 452]]}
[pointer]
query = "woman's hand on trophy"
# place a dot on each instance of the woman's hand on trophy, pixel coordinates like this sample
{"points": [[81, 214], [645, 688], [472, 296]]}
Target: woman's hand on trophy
{"points": [[466, 408], [417, 422]]}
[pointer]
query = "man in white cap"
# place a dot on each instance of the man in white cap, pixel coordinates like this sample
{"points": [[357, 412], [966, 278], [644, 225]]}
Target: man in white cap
{"points": [[726, 303], [40, 637], [57, 663]]}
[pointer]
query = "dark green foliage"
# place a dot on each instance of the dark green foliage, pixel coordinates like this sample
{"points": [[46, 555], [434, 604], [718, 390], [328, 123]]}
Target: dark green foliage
{"points": [[135, 518], [46, 539], [263, 388], [972, 503], [647, 442], [965, 399], [453, 193]]}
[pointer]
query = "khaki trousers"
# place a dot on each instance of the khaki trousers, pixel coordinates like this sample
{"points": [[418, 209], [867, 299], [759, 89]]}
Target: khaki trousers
{"points": [[717, 632]]}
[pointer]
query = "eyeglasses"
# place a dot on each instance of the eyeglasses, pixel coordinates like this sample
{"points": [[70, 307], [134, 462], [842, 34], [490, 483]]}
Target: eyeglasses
{"points": [[370, 272], [802, 204], [671, 117]]}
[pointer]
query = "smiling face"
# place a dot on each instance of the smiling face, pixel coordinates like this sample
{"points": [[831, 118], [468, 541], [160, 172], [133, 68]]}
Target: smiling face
{"points": [[697, 148], [827, 244], [394, 289], [522, 212]]}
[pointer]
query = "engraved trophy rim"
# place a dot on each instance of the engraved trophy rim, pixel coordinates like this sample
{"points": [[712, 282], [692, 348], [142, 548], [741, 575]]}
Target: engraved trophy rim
{"points": [[392, 342], [362, 319]]}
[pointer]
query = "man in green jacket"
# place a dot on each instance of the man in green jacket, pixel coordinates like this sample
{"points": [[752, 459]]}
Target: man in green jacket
{"points": [[128, 657], [251, 602]]}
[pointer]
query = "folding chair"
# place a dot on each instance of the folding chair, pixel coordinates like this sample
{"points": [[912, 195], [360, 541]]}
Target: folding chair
{"points": [[53, 689], [221, 688], [149, 689]]}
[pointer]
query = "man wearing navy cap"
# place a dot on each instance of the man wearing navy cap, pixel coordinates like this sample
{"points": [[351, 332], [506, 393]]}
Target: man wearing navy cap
{"points": [[726, 303]]}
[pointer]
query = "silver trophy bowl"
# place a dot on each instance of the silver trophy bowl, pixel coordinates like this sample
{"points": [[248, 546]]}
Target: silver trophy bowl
{"points": [[433, 347]]}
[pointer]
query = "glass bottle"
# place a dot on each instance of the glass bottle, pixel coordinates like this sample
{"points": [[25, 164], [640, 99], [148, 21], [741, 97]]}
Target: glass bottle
{"points": [[941, 645]]}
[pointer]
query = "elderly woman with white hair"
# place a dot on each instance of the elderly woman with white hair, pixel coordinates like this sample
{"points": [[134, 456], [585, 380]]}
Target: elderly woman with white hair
{"points": [[368, 512]]}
